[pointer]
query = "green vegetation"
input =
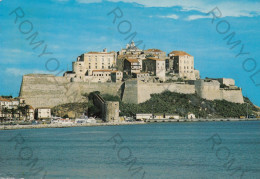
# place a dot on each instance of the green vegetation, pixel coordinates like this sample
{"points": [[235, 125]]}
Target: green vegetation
{"points": [[182, 104], [10, 96], [71, 110], [174, 103]]}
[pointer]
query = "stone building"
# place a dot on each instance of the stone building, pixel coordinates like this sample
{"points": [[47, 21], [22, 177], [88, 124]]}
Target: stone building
{"points": [[155, 67], [111, 111], [116, 76], [90, 61], [155, 53], [100, 76], [9, 103], [130, 49], [43, 113], [132, 66], [182, 64], [145, 77]]}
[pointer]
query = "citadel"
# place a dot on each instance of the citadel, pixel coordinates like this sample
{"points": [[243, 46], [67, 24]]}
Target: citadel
{"points": [[131, 73]]}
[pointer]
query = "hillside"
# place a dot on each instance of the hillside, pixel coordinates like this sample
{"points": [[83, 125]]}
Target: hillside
{"points": [[170, 102]]}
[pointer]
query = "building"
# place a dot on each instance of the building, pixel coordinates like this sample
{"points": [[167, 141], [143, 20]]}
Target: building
{"points": [[88, 62], [111, 113], [143, 116], [100, 76], [9, 103], [132, 66], [43, 113], [30, 113], [116, 76], [145, 77], [155, 53], [130, 49], [191, 116], [182, 64], [155, 67], [172, 116]]}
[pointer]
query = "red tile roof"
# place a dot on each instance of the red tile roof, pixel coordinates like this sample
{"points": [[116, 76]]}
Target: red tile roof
{"points": [[5, 99], [154, 50], [179, 53], [152, 58], [132, 60]]}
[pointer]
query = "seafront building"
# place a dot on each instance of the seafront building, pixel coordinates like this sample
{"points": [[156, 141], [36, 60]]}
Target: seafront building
{"points": [[98, 67], [11, 108]]}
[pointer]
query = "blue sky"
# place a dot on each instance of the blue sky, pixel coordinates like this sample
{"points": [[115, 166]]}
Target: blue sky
{"points": [[72, 27]]}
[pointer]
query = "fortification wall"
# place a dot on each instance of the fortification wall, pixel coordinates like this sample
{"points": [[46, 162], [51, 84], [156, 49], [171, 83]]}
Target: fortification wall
{"points": [[130, 92], [212, 91], [49, 90], [146, 89], [234, 96]]}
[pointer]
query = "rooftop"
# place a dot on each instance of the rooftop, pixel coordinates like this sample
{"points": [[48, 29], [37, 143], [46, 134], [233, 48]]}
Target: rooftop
{"points": [[102, 71], [179, 53], [132, 60], [153, 58], [154, 50]]}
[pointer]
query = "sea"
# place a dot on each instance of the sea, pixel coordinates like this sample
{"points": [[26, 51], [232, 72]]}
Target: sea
{"points": [[204, 150]]}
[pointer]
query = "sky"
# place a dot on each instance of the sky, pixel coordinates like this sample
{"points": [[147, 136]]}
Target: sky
{"points": [[228, 46]]}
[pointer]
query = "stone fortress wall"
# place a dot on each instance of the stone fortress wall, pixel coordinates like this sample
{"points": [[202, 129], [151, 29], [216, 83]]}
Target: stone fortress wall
{"points": [[210, 90], [49, 91]]}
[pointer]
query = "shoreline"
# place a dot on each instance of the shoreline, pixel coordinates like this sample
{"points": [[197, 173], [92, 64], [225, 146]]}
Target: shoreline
{"points": [[40, 126]]}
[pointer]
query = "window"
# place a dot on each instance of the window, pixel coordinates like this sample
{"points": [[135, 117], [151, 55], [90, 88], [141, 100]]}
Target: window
{"points": [[96, 67], [102, 67]]}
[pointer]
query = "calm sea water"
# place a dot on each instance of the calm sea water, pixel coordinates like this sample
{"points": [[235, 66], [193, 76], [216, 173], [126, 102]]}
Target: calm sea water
{"points": [[162, 150]]}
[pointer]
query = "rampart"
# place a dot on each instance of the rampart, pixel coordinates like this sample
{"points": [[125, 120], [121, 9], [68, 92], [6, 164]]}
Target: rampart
{"points": [[41, 90]]}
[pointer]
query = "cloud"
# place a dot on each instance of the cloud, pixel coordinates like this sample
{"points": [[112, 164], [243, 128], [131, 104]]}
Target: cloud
{"points": [[172, 16], [195, 17], [21, 72], [232, 8]]}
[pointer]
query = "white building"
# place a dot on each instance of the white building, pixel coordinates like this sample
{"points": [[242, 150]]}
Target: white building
{"points": [[88, 62], [43, 113], [144, 116], [191, 116]]}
